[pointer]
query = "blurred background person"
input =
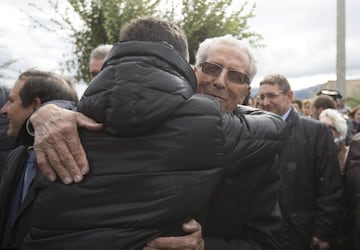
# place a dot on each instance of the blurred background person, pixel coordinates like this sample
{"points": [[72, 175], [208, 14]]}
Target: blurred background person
{"points": [[297, 104], [342, 107], [97, 57], [337, 124], [355, 120], [320, 103], [307, 107], [323, 102], [333, 93]]}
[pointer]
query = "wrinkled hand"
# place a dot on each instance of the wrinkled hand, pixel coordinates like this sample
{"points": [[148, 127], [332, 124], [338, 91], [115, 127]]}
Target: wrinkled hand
{"points": [[57, 144], [193, 241], [320, 244]]}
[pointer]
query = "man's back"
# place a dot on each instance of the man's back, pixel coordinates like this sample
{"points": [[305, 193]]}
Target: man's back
{"points": [[157, 161], [154, 165]]}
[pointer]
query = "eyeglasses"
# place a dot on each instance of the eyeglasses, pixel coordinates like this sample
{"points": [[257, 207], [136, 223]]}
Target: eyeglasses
{"points": [[213, 69], [270, 96]]}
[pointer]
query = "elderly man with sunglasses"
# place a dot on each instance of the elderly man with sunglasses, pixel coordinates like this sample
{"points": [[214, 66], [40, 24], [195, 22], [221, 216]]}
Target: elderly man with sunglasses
{"points": [[244, 212]]}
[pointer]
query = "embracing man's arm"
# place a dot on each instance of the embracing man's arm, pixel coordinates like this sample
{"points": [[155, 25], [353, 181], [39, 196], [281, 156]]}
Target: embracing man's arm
{"points": [[57, 144]]}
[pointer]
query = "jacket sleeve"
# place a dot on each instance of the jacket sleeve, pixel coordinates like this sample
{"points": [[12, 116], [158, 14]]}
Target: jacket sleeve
{"points": [[328, 185], [252, 137], [264, 220], [252, 140]]}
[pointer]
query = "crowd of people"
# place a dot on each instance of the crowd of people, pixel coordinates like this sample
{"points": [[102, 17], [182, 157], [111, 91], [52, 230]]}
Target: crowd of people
{"points": [[159, 154]]}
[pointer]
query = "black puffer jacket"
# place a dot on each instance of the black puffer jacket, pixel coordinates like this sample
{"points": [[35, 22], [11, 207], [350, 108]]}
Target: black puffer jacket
{"points": [[158, 160]]}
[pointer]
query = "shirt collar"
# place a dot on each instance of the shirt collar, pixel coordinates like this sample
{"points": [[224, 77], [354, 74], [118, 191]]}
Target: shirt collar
{"points": [[285, 116]]}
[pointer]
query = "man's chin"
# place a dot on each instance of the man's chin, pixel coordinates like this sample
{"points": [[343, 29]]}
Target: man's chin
{"points": [[223, 104]]}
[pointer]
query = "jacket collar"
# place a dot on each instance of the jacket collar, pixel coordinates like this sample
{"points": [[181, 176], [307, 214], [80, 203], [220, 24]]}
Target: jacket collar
{"points": [[158, 49], [293, 118]]}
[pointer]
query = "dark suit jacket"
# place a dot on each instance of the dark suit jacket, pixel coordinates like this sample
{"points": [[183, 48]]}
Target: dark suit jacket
{"points": [[15, 165]]}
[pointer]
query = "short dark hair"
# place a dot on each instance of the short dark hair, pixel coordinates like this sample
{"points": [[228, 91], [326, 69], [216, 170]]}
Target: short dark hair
{"points": [[154, 29], [277, 79], [46, 86], [324, 101], [298, 102]]}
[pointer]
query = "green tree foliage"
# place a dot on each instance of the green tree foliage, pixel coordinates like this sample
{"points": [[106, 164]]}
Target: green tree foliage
{"points": [[201, 19], [102, 20]]}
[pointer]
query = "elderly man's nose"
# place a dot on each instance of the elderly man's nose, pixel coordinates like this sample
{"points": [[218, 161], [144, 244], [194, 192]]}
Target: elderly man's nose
{"points": [[221, 80]]}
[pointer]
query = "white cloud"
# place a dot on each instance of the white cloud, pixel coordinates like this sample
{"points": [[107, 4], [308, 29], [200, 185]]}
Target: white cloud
{"points": [[21, 40], [301, 40]]}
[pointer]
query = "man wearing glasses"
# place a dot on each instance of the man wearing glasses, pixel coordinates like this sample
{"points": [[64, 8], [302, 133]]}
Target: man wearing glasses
{"points": [[244, 212], [311, 182]]}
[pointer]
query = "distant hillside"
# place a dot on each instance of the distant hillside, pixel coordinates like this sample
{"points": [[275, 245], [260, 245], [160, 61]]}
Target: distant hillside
{"points": [[307, 92]]}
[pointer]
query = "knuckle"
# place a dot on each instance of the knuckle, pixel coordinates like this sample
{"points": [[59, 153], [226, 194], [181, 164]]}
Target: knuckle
{"points": [[67, 130], [51, 139], [42, 162]]}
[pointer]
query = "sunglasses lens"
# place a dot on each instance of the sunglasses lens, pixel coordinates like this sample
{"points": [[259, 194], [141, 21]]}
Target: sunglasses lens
{"points": [[211, 69], [214, 70], [237, 77]]}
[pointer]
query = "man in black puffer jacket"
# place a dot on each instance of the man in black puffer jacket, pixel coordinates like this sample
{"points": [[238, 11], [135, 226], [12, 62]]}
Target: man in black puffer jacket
{"points": [[161, 153]]}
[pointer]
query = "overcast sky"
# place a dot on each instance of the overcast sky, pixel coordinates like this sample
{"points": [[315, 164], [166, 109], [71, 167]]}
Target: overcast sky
{"points": [[300, 38]]}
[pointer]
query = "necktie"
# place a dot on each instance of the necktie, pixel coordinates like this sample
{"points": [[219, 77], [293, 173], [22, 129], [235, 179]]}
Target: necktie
{"points": [[30, 173]]}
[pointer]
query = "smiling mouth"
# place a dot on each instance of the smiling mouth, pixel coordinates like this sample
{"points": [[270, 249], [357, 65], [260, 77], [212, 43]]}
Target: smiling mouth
{"points": [[218, 97]]}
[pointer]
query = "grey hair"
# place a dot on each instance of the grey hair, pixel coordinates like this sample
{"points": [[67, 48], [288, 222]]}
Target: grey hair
{"points": [[201, 54], [101, 51], [339, 121]]}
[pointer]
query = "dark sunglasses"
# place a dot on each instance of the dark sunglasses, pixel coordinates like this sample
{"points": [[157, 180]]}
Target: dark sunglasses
{"points": [[213, 69]]}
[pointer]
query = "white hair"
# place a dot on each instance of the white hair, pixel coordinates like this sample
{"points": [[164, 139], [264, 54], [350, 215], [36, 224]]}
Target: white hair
{"points": [[337, 118], [101, 51], [201, 54]]}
